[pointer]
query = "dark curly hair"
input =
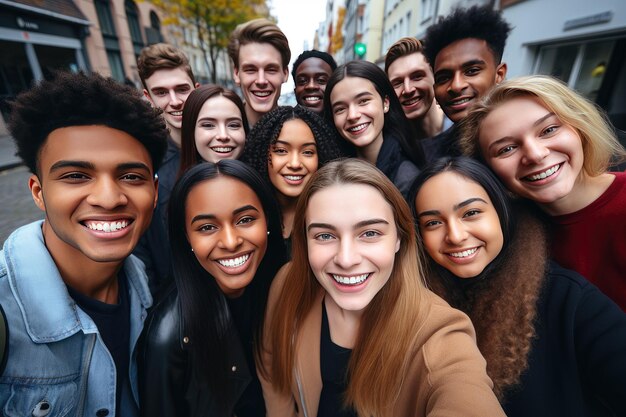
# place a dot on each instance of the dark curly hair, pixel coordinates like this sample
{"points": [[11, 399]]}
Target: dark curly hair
{"points": [[313, 53], [80, 99], [266, 131], [479, 22]]}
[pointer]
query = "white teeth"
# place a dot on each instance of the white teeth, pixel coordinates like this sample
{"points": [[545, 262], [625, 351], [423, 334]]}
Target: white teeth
{"points": [[225, 149], [412, 101], [294, 177], [463, 254], [544, 174], [106, 226], [176, 113], [234, 262], [353, 280], [262, 93], [462, 101], [312, 99], [357, 127]]}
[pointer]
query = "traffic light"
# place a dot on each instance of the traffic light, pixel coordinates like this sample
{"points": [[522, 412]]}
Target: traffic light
{"points": [[360, 49]]}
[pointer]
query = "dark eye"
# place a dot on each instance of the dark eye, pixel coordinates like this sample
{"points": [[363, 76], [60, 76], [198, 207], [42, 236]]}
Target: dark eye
{"points": [[471, 213], [431, 223], [235, 125], [322, 80], [338, 110], [207, 125], [279, 151], [371, 233], [505, 150], [75, 176], [207, 228], [441, 78], [472, 71], [132, 177], [246, 220]]}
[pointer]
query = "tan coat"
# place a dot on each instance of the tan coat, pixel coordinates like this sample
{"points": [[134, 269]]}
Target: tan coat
{"points": [[446, 376]]}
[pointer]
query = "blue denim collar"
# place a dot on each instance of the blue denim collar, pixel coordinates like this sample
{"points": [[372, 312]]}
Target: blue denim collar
{"points": [[49, 313]]}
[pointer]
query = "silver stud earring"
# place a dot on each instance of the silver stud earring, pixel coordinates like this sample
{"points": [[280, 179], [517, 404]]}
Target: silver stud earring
{"points": [[192, 249], [268, 232]]}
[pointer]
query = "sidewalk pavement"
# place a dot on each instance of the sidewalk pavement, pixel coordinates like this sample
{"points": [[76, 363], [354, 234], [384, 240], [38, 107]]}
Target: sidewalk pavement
{"points": [[8, 159]]}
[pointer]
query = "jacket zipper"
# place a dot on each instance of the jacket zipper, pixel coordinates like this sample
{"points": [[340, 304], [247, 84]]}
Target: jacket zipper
{"points": [[85, 376]]}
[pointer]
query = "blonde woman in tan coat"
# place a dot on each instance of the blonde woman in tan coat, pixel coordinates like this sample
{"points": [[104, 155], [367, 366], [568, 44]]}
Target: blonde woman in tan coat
{"points": [[351, 329]]}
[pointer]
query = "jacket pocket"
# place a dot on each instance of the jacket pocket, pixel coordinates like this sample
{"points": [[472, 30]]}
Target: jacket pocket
{"points": [[41, 399]]}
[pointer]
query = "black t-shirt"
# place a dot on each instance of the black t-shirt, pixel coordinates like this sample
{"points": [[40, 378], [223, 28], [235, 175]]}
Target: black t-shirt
{"points": [[251, 403], [333, 366], [113, 323]]}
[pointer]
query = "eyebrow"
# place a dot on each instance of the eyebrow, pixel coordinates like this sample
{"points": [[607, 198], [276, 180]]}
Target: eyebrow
{"points": [[289, 144], [168, 87], [473, 62], [209, 216], [455, 207], [535, 124], [358, 225], [228, 119], [91, 166], [364, 93]]}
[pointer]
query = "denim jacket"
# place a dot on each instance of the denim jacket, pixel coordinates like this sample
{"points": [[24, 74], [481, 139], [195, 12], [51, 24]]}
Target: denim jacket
{"points": [[58, 364]]}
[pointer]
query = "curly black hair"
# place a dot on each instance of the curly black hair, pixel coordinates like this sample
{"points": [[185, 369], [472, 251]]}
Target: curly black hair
{"points": [[479, 22], [79, 99], [266, 131], [313, 53]]}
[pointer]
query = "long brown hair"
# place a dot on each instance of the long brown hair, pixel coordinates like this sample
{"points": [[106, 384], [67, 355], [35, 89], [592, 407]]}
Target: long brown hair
{"points": [[396, 312], [189, 155]]}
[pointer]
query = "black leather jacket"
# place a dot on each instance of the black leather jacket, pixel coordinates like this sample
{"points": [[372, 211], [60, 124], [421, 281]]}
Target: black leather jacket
{"points": [[167, 385]]}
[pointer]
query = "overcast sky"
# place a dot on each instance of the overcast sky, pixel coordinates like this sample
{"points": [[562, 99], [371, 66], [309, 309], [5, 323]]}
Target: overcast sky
{"points": [[298, 20]]}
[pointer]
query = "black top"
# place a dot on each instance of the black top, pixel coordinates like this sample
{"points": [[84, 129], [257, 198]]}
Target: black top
{"points": [[113, 323], [577, 364], [168, 385], [444, 144], [333, 366], [396, 165], [250, 403], [153, 247]]}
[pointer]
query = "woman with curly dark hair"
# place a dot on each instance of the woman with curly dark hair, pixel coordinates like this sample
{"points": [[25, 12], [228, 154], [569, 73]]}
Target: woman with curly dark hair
{"points": [[554, 344], [286, 147]]}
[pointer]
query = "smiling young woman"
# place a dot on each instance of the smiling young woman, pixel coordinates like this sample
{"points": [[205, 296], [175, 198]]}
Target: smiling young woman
{"points": [[552, 146], [553, 343], [362, 105], [354, 285], [286, 147], [226, 247]]}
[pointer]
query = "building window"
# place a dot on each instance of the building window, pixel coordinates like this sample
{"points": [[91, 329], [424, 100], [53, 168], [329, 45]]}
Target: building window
{"points": [[582, 65], [153, 33], [132, 16], [109, 35]]}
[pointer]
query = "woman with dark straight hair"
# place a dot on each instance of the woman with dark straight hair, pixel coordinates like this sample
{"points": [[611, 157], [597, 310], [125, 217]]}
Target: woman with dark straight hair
{"points": [[360, 102], [554, 344], [198, 348], [214, 126]]}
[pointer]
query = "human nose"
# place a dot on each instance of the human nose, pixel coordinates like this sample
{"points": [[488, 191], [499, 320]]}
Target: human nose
{"points": [[407, 88], [534, 151], [222, 133], [174, 99], [107, 194], [353, 113], [229, 239], [260, 77], [347, 255], [311, 84], [457, 84], [294, 160], [456, 232]]}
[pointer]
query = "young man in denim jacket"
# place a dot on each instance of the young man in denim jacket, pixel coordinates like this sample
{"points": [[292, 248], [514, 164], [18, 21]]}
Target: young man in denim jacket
{"points": [[74, 300]]}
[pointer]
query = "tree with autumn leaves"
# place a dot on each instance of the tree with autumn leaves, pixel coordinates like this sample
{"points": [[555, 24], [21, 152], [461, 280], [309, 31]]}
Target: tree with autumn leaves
{"points": [[212, 21]]}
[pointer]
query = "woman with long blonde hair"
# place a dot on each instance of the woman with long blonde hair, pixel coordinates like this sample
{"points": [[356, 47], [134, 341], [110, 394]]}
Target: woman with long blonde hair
{"points": [[350, 329], [550, 145]]}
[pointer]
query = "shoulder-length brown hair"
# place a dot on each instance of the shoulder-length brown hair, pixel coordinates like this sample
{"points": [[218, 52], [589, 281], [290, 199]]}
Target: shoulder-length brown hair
{"points": [[395, 313], [189, 155]]}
